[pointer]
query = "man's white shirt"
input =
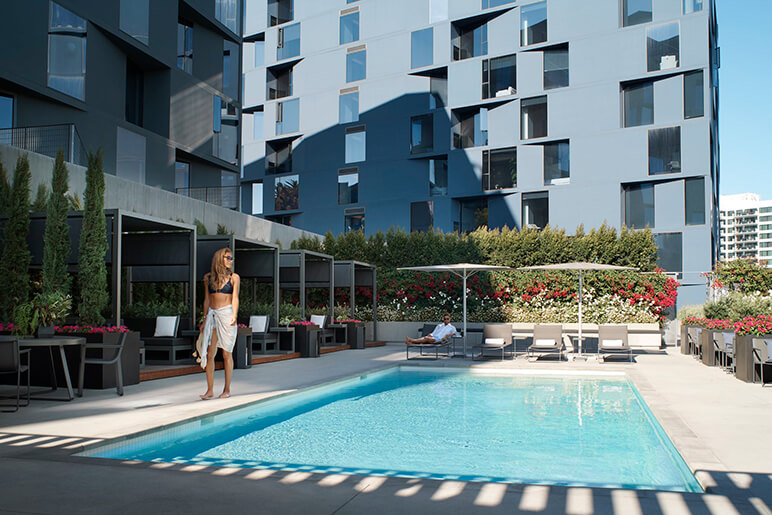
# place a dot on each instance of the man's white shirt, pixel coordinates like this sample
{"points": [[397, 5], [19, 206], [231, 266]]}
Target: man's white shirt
{"points": [[442, 330]]}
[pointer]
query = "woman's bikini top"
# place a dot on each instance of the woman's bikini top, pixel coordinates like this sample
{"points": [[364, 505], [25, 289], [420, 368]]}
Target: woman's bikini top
{"points": [[226, 289]]}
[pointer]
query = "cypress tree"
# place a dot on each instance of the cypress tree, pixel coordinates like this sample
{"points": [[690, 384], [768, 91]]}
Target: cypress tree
{"points": [[92, 273], [56, 247], [5, 192], [16, 255]]}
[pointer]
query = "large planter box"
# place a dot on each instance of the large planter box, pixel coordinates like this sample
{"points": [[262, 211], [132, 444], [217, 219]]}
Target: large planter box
{"points": [[355, 335], [307, 340], [242, 351], [708, 351], [745, 370]]}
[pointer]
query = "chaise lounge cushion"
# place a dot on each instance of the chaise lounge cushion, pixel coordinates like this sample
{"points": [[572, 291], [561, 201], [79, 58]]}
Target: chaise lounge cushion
{"points": [[544, 343], [613, 344], [166, 326], [494, 341]]}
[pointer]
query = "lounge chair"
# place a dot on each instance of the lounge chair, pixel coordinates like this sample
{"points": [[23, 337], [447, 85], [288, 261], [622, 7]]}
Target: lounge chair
{"points": [[761, 357], [261, 333], [166, 341], [114, 359], [693, 341], [495, 337], [723, 346], [10, 363], [325, 334], [547, 339], [612, 339], [426, 330]]}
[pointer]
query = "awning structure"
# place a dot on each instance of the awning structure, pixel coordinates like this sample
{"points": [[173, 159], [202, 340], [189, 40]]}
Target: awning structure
{"points": [[303, 269], [353, 274], [252, 260]]}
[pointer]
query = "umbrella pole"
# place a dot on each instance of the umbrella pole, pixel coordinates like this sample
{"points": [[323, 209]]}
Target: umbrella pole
{"points": [[581, 294], [464, 277]]}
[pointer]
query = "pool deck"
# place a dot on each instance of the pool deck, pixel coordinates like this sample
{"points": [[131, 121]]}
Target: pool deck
{"points": [[721, 426]]}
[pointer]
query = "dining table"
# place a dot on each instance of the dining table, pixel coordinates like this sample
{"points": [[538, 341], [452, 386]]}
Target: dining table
{"points": [[60, 342]]}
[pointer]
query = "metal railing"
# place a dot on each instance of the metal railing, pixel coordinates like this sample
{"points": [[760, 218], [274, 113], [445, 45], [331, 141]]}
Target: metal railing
{"points": [[223, 196], [48, 140]]}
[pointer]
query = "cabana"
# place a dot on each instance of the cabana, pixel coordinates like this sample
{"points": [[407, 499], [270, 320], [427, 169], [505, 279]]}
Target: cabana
{"points": [[353, 274], [303, 269]]}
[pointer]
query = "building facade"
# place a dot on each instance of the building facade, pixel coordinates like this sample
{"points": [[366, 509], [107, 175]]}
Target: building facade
{"points": [[452, 114], [155, 85], [746, 228]]}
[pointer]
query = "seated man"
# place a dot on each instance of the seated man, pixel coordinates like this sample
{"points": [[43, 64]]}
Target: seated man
{"points": [[441, 333]]}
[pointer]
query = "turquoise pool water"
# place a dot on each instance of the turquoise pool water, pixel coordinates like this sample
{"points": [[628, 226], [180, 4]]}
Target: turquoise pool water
{"points": [[421, 422]]}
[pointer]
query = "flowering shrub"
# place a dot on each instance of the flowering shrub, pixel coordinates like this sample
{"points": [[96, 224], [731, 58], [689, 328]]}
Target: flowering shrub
{"points": [[756, 326], [350, 321], [605, 309], [9, 327], [69, 329], [743, 275], [301, 322]]}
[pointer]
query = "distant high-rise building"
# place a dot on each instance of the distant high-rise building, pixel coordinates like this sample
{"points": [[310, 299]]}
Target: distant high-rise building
{"points": [[746, 228]]}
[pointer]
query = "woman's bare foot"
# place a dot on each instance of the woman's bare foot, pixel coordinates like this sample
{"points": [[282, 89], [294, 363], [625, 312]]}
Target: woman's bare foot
{"points": [[224, 395], [207, 396]]}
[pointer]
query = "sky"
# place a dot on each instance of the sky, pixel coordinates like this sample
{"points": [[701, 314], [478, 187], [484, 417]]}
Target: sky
{"points": [[745, 105]]}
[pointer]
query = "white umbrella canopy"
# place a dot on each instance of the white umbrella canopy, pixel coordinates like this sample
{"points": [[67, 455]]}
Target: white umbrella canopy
{"points": [[578, 266], [463, 270]]}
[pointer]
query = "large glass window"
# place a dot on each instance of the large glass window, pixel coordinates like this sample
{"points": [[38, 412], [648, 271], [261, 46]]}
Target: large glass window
{"points": [[66, 52], [557, 162], [349, 26], [422, 48], [639, 104], [280, 11], [664, 150], [533, 24], [354, 219], [135, 94], [438, 87], [639, 205], [692, 6], [185, 46], [230, 69], [635, 12], [469, 40], [130, 156], [6, 112], [694, 94], [286, 193], [225, 144], [348, 108], [694, 201], [556, 67], [662, 47], [258, 130], [499, 169], [472, 213], [227, 13], [259, 53], [348, 186], [288, 44], [278, 157], [181, 175], [288, 116], [670, 251], [356, 144], [536, 210], [421, 134], [499, 76], [356, 65], [438, 177], [421, 216], [278, 82], [470, 127], [257, 198], [533, 117], [486, 4], [135, 19]]}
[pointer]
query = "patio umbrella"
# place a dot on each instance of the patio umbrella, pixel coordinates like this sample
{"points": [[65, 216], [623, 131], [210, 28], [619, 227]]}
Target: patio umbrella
{"points": [[578, 266], [463, 270]]}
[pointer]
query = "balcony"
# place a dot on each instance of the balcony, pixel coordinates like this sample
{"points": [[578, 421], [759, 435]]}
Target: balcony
{"points": [[48, 140], [223, 196]]}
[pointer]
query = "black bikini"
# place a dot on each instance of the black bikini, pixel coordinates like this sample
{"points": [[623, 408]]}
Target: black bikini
{"points": [[226, 289]]}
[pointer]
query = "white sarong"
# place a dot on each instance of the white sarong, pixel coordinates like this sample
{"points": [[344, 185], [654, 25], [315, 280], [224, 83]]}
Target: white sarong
{"points": [[219, 320]]}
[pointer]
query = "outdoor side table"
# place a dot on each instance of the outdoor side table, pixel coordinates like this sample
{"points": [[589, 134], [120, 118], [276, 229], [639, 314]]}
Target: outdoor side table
{"points": [[61, 342], [282, 330], [340, 329]]}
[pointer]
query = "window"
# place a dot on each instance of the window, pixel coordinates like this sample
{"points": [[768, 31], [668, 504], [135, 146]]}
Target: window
{"points": [[356, 139], [228, 179], [286, 193], [639, 104], [135, 88], [669, 251], [130, 156], [438, 87], [694, 95], [533, 118], [227, 13], [348, 109], [259, 54], [635, 12], [422, 48], [535, 210], [185, 47], [692, 6], [469, 40], [288, 44], [499, 169], [556, 67], [354, 219], [662, 47], [438, 10], [230, 69], [280, 11], [348, 186], [225, 128], [278, 82], [278, 157], [694, 201], [486, 4], [421, 134], [356, 64], [470, 127], [421, 216], [181, 175], [557, 162], [288, 116], [638, 204], [216, 114], [349, 25], [499, 76], [6, 112], [438, 177], [258, 132], [135, 19], [533, 24], [66, 52], [472, 213], [257, 198], [664, 150]]}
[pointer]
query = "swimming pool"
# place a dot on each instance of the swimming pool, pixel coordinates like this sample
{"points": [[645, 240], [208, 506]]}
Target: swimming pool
{"points": [[439, 423]]}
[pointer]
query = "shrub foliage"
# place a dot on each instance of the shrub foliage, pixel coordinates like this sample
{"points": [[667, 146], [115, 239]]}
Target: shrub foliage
{"points": [[92, 273], [16, 255], [56, 247]]}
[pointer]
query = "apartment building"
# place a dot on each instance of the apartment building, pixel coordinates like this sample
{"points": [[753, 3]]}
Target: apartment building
{"points": [[746, 228]]}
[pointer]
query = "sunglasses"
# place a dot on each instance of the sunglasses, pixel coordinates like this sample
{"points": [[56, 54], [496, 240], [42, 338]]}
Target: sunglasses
{"points": [[229, 258]]}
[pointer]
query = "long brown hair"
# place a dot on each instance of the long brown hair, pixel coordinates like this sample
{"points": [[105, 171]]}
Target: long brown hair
{"points": [[220, 271]]}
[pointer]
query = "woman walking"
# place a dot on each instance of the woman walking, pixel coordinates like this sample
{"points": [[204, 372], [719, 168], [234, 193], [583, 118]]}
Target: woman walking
{"points": [[221, 304]]}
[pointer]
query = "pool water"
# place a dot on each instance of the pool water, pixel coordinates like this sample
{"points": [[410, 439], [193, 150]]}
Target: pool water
{"points": [[424, 422]]}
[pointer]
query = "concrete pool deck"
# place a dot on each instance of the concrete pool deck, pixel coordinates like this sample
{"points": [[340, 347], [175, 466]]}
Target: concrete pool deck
{"points": [[721, 426]]}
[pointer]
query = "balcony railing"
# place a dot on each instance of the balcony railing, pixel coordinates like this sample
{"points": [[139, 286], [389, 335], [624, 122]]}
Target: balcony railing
{"points": [[48, 140], [223, 196]]}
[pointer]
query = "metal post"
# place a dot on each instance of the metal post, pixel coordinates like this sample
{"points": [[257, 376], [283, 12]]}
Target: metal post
{"points": [[117, 249], [192, 264], [375, 305], [302, 283], [276, 287], [351, 290], [332, 289], [580, 312], [464, 312], [71, 152]]}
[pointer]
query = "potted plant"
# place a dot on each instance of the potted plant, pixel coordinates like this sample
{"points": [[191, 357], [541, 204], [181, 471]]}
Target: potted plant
{"points": [[38, 315]]}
